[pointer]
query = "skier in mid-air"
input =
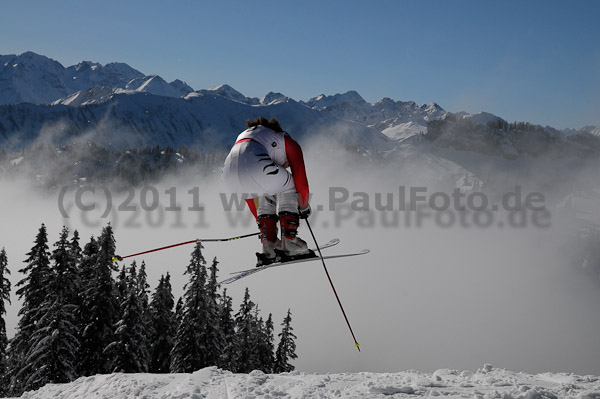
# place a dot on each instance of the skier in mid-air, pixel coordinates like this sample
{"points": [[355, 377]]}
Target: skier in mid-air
{"points": [[257, 164]]}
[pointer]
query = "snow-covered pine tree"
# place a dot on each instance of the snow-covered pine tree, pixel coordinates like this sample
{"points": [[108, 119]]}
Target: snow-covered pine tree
{"points": [[33, 292], [143, 289], [142, 284], [161, 341], [266, 349], [100, 308], [187, 354], [75, 248], [227, 328], [178, 312], [213, 337], [245, 337], [4, 296], [89, 257], [121, 284], [129, 350], [66, 281], [286, 349], [76, 254], [54, 344]]}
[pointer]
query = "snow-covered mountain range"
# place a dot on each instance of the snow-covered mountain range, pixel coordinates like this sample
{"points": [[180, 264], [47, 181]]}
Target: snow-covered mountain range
{"points": [[126, 118], [119, 106], [36, 79], [114, 104]]}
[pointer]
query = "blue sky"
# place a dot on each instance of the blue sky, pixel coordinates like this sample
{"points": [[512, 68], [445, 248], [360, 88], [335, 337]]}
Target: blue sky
{"points": [[537, 61]]}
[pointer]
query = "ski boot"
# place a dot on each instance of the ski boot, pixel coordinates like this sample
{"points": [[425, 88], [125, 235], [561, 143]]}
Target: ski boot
{"points": [[292, 247], [267, 225]]}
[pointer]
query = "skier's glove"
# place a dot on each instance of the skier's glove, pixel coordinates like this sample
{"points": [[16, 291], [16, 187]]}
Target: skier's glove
{"points": [[305, 212]]}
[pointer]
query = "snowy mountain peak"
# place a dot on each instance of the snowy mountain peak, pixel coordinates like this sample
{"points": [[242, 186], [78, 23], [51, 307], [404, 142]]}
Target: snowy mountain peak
{"points": [[156, 85], [181, 86], [272, 97], [232, 94], [224, 88], [34, 59], [88, 74], [227, 91], [385, 101], [28, 63], [30, 77], [31, 55], [87, 65], [431, 108], [322, 101], [37, 79], [152, 84], [121, 68]]}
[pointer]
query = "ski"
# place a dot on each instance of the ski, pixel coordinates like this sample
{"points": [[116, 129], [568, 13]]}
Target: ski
{"points": [[249, 272], [328, 244]]}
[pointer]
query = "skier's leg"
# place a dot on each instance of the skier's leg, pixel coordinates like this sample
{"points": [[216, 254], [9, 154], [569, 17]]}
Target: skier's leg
{"points": [[267, 224], [288, 200], [289, 218], [291, 244], [268, 236], [267, 205]]}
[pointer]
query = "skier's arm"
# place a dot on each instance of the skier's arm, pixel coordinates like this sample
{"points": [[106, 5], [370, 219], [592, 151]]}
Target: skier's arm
{"points": [[296, 161]]}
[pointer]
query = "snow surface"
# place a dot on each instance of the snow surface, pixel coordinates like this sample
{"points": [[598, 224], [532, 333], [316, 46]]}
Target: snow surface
{"points": [[404, 130], [213, 383]]}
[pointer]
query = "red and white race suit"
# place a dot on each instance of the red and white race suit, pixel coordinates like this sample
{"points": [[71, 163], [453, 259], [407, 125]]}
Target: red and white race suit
{"points": [[255, 167]]}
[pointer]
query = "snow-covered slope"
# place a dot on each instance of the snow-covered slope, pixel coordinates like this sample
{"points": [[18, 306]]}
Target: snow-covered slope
{"points": [[95, 95], [213, 383], [403, 131]]}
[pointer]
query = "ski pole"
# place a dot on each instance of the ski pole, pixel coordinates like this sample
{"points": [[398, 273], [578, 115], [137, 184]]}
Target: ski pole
{"points": [[356, 344], [119, 258]]}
